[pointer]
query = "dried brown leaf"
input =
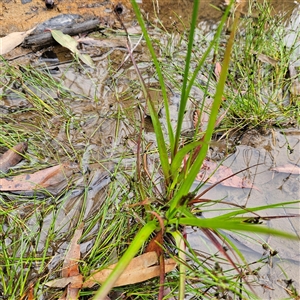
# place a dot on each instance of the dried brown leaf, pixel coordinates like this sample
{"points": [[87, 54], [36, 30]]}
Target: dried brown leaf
{"points": [[46, 178], [139, 269], [12, 40], [218, 69], [30, 293], [155, 244], [70, 265], [288, 168], [209, 167], [12, 157], [75, 281]]}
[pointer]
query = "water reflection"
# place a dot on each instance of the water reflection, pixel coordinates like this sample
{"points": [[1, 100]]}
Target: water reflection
{"points": [[174, 14]]}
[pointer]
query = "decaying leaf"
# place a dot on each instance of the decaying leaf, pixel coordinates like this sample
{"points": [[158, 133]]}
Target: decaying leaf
{"points": [[44, 179], [60, 283], [218, 69], [70, 265], [70, 43], [288, 168], [140, 269], [209, 167], [267, 59], [13, 40], [65, 40], [12, 157], [155, 244], [71, 278]]}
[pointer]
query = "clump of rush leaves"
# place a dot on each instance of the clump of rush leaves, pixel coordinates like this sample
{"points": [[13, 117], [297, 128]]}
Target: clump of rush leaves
{"points": [[258, 91], [169, 213], [122, 230]]}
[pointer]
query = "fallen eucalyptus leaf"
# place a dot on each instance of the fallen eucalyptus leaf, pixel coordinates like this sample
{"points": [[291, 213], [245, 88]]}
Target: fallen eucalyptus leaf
{"points": [[65, 40], [44, 179], [288, 168], [86, 59], [140, 269], [61, 283], [70, 43], [212, 173], [12, 157], [13, 40], [71, 278], [70, 265]]}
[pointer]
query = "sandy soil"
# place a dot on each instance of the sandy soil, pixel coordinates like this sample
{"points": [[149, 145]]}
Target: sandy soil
{"points": [[15, 16]]}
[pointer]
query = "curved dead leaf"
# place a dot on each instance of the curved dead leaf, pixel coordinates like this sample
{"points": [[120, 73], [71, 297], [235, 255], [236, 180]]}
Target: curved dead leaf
{"points": [[70, 266], [72, 280], [70, 43], [12, 156], [13, 40], [140, 269], [218, 69], [44, 179], [288, 168], [75, 281], [209, 174]]}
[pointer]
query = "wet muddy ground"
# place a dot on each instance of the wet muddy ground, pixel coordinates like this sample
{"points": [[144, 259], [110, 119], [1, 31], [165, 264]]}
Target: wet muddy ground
{"points": [[93, 105], [17, 15], [269, 150]]}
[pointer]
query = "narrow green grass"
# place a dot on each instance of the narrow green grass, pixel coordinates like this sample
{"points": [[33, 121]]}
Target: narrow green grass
{"points": [[36, 229], [258, 89], [178, 181]]}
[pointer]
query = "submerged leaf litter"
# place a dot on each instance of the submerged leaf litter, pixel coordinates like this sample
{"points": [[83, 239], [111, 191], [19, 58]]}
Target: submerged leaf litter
{"points": [[91, 118]]}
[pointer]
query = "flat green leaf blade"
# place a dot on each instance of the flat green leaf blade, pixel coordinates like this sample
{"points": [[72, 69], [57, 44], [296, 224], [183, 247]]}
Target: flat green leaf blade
{"points": [[162, 149], [185, 188], [231, 225], [254, 209], [86, 59], [65, 40], [179, 157]]}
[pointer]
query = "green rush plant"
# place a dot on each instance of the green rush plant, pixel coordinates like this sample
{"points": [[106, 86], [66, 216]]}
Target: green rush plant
{"points": [[136, 207], [258, 93], [179, 173]]}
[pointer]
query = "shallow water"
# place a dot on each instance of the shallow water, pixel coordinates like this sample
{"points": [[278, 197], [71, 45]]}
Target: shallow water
{"points": [[272, 187], [93, 110]]}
